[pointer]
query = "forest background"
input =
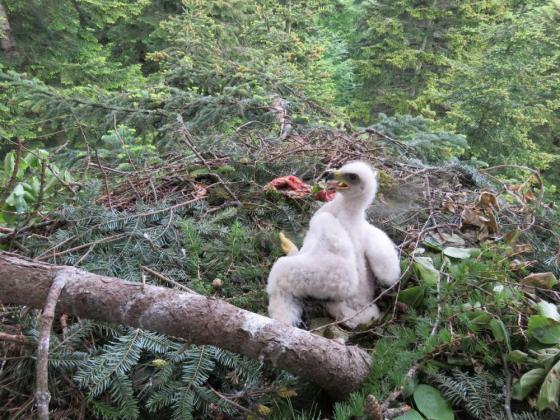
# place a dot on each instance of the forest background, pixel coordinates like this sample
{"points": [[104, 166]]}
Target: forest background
{"points": [[97, 98]]}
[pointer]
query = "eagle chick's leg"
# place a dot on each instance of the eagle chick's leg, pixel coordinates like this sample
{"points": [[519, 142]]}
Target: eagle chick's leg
{"points": [[284, 307], [354, 316], [287, 246]]}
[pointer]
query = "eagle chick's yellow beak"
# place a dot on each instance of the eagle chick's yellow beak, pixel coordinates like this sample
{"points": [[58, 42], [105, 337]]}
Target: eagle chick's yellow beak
{"points": [[286, 245], [338, 182]]}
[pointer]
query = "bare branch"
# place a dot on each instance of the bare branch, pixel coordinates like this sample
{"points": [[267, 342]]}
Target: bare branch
{"points": [[42, 394]]}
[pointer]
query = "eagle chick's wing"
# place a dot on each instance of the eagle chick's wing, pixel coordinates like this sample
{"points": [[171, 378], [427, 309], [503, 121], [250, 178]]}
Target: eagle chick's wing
{"points": [[381, 255]]}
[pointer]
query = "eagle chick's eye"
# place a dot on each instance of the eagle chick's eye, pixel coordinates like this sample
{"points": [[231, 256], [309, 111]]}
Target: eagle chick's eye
{"points": [[353, 177]]}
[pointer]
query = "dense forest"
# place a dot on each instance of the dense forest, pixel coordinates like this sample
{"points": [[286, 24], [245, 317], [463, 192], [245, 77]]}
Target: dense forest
{"points": [[149, 141]]}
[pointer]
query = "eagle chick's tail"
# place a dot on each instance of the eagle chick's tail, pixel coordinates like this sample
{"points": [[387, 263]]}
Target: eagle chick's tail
{"points": [[287, 246]]}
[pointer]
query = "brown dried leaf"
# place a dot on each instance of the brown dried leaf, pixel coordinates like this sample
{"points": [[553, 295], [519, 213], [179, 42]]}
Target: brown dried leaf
{"points": [[522, 248], [544, 280], [488, 201], [200, 190]]}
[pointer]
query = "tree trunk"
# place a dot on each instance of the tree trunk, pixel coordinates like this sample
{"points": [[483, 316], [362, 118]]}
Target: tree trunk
{"points": [[7, 44], [200, 320]]}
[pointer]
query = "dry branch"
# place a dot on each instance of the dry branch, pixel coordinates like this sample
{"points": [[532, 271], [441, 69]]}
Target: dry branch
{"points": [[42, 394], [200, 320], [19, 339]]}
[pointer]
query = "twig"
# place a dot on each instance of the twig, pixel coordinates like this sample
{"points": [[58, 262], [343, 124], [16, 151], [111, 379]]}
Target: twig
{"points": [[236, 405], [507, 402], [13, 177], [281, 115], [525, 168], [148, 213], [20, 339], [397, 392], [167, 279], [77, 248], [41, 196], [439, 308], [404, 147], [185, 135], [391, 413], [379, 296], [42, 394], [105, 178]]}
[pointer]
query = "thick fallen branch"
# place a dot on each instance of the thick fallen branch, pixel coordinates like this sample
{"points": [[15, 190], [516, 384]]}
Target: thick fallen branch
{"points": [[201, 320]]}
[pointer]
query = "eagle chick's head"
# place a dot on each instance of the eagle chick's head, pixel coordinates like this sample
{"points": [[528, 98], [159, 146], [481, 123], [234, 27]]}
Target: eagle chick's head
{"points": [[357, 181]]}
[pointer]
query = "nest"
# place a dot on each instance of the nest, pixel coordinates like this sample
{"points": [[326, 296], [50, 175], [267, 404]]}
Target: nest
{"points": [[448, 205]]}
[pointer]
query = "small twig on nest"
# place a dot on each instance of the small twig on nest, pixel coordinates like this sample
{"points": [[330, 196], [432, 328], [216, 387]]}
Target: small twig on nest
{"points": [[525, 168], [77, 248], [404, 147], [185, 135], [42, 395], [14, 233], [48, 253], [233, 403], [507, 402], [397, 392], [41, 195], [105, 179], [167, 279], [391, 413], [19, 339], [379, 296], [13, 177], [282, 116]]}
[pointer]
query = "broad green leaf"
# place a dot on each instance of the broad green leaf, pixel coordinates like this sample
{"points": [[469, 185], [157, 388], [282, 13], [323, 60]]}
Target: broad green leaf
{"points": [[452, 239], [431, 403], [548, 310], [479, 319], [543, 280], [499, 331], [9, 163], [432, 243], [544, 329], [517, 356], [426, 271], [18, 190], [16, 198], [550, 389], [413, 296], [526, 383], [460, 253], [410, 415]]}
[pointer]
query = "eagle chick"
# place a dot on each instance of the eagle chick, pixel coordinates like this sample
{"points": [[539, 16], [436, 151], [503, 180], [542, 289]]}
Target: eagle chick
{"points": [[342, 257]]}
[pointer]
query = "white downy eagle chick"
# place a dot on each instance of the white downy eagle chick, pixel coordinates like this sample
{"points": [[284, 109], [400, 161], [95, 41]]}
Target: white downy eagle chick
{"points": [[342, 257]]}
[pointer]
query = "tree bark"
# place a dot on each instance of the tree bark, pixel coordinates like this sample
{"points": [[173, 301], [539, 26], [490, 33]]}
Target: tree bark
{"points": [[7, 43], [201, 320]]}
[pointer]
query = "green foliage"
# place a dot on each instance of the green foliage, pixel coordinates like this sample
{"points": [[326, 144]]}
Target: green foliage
{"points": [[429, 142], [503, 98], [29, 182], [544, 360]]}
